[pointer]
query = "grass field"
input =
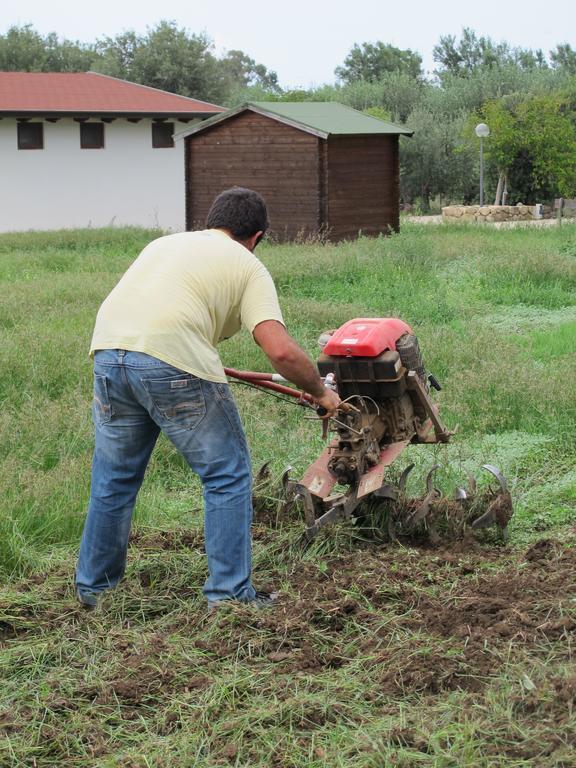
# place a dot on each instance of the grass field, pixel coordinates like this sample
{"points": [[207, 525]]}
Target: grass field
{"points": [[377, 655]]}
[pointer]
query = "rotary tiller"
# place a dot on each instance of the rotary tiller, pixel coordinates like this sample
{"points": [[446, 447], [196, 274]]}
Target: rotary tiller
{"points": [[377, 369]]}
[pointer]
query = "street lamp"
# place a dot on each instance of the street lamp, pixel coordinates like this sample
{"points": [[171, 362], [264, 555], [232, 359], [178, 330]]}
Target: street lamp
{"points": [[482, 131]]}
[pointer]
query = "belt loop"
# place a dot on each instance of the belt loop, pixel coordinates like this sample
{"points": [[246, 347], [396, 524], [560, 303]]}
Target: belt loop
{"points": [[121, 353]]}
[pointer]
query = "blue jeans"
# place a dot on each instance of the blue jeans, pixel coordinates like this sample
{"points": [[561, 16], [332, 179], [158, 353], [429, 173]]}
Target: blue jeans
{"points": [[135, 397]]}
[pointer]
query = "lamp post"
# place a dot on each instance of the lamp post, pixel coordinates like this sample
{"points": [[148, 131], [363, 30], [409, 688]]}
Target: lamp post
{"points": [[482, 131]]}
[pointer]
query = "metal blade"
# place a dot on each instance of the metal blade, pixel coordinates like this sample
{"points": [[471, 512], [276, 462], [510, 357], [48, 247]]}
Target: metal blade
{"points": [[387, 491], [498, 475], [263, 473], [421, 512], [286, 476], [404, 478], [430, 478]]}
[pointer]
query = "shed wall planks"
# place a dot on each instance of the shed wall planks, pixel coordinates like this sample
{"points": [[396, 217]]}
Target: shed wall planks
{"points": [[363, 185], [252, 151]]}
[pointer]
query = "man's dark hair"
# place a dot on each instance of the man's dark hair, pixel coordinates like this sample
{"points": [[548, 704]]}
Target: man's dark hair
{"points": [[240, 210]]}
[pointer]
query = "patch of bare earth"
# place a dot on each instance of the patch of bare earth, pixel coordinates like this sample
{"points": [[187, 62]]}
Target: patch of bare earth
{"points": [[446, 597], [403, 623]]}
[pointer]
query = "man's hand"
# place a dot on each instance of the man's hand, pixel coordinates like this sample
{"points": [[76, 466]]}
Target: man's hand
{"points": [[330, 401]]}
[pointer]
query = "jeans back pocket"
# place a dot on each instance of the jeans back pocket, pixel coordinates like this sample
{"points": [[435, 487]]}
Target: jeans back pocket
{"points": [[179, 398], [101, 403]]}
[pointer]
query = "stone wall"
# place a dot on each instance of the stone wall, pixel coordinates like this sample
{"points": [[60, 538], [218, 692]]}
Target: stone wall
{"points": [[472, 213]]}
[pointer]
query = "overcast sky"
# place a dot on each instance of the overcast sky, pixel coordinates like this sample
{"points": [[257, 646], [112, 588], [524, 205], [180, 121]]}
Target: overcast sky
{"points": [[302, 40]]}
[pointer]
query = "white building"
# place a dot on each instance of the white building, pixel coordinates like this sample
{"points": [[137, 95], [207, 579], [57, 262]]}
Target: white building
{"points": [[87, 150]]}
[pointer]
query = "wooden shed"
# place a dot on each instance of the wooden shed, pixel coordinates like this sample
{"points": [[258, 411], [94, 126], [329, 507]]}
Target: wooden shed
{"points": [[321, 167]]}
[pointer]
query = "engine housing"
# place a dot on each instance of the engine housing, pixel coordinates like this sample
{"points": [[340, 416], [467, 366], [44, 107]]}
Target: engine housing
{"points": [[370, 359]]}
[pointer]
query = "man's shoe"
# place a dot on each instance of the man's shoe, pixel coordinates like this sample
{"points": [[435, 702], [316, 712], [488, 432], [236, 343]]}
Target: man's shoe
{"points": [[261, 600], [88, 600], [264, 599]]}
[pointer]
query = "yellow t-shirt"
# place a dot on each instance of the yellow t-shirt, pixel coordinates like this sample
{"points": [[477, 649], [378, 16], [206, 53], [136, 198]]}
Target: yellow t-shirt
{"points": [[181, 296]]}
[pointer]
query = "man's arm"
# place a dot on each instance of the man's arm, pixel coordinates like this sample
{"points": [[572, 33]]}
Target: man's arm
{"points": [[290, 361]]}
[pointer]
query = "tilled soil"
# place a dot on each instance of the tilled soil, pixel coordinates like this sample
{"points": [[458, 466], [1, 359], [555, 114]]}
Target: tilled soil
{"points": [[402, 622], [526, 600], [477, 599]]}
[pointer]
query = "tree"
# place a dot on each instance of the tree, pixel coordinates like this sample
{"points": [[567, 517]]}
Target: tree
{"points": [[505, 141], [116, 55], [241, 71], [563, 57], [396, 92], [471, 53], [167, 57], [369, 61], [435, 161], [485, 84], [173, 59], [549, 140], [532, 146], [379, 112], [22, 49]]}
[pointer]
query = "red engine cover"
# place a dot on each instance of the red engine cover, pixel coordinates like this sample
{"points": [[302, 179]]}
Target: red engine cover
{"points": [[366, 337]]}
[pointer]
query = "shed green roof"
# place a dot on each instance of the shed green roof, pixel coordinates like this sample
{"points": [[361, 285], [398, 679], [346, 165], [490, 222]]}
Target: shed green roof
{"points": [[322, 118]]}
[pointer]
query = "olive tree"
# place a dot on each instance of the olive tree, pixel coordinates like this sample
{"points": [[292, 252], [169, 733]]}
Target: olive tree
{"points": [[532, 146]]}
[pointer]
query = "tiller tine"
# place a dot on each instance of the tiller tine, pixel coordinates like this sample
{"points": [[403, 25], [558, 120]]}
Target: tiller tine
{"points": [[396, 494], [493, 507], [422, 511], [468, 508], [263, 474], [288, 492], [285, 479], [430, 480], [404, 478], [272, 495], [264, 480], [498, 475]]}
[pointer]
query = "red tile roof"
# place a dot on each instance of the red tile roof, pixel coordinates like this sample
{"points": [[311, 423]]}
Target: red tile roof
{"points": [[74, 93]]}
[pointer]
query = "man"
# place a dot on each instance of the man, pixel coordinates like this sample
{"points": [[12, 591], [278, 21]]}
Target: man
{"points": [[156, 368]]}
